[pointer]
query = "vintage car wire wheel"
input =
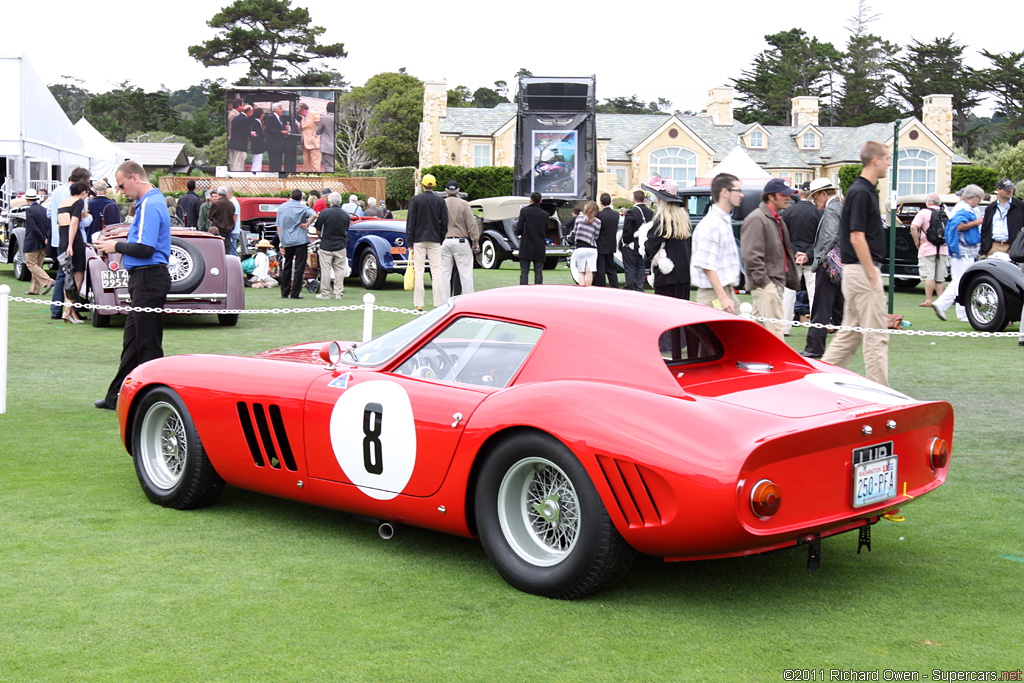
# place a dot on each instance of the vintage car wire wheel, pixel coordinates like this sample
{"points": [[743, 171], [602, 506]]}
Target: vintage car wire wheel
{"points": [[539, 511], [370, 273], [170, 461], [489, 256], [21, 271], [185, 266], [542, 522], [986, 309]]}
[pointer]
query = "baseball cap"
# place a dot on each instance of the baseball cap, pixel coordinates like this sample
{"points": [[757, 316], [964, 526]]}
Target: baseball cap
{"points": [[452, 185], [779, 186], [1006, 184], [429, 181]]}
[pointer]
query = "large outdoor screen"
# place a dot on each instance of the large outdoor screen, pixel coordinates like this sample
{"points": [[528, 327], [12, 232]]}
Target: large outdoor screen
{"points": [[281, 131]]}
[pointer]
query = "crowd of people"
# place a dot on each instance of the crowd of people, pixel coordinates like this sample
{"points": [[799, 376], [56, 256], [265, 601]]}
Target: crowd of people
{"points": [[302, 145]]}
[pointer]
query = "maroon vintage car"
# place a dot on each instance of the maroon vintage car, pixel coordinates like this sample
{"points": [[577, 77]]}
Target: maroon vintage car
{"points": [[202, 277]]}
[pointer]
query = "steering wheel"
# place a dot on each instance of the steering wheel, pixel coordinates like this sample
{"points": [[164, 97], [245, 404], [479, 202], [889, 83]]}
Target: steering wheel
{"points": [[447, 359]]}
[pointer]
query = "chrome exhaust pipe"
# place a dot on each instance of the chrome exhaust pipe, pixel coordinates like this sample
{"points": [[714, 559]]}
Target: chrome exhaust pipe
{"points": [[387, 530]]}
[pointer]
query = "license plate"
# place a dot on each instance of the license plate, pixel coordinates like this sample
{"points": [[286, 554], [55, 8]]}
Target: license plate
{"points": [[398, 250], [874, 474], [114, 279]]}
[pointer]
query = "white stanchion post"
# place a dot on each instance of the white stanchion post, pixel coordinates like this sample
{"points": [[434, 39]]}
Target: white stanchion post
{"points": [[746, 310], [368, 300], [5, 311]]}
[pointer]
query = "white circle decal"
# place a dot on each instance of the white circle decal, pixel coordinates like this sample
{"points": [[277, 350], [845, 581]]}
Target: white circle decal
{"points": [[374, 437]]}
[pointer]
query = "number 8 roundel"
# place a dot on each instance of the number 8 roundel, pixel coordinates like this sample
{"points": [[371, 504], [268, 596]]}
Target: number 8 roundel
{"points": [[374, 437]]}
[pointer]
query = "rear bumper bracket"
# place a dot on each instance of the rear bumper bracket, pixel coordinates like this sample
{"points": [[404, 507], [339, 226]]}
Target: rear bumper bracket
{"points": [[864, 538], [814, 554]]}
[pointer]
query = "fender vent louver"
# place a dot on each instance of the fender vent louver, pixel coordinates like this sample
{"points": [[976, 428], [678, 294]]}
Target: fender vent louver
{"points": [[261, 434], [632, 493]]}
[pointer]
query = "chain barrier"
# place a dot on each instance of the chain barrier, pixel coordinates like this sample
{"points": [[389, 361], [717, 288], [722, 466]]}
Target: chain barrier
{"points": [[407, 311], [207, 311]]}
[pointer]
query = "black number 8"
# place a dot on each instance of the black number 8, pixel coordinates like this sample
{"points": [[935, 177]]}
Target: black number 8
{"points": [[373, 456]]}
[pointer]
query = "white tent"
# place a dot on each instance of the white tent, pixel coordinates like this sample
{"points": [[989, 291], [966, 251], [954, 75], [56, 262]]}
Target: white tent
{"points": [[738, 163], [38, 144], [106, 156]]}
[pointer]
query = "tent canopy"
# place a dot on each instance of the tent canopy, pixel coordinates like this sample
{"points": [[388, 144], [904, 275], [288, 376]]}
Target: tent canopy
{"points": [[738, 163], [106, 156]]}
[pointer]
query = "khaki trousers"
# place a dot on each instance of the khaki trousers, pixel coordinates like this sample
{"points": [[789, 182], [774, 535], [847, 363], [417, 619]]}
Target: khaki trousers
{"points": [[34, 263], [432, 252], [864, 307], [311, 160], [333, 264], [768, 304], [706, 297], [456, 253]]}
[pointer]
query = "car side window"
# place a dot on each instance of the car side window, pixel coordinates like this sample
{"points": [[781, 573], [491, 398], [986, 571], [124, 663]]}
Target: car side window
{"points": [[689, 344], [473, 351]]}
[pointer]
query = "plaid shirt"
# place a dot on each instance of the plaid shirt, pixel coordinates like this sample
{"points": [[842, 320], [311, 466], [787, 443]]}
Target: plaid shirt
{"points": [[714, 248]]}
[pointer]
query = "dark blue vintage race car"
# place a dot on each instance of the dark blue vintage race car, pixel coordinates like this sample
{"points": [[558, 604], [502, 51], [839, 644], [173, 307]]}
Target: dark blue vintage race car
{"points": [[376, 248]]}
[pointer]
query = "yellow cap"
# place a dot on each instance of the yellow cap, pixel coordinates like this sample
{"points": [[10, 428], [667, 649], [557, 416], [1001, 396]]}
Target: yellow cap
{"points": [[429, 181]]}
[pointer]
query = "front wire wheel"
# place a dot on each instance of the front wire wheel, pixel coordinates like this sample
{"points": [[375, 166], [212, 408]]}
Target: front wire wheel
{"points": [[542, 522], [170, 462]]}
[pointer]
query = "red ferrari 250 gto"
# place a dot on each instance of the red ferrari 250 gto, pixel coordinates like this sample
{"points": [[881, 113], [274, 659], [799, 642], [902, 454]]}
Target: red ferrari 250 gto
{"points": [[568, 428]]}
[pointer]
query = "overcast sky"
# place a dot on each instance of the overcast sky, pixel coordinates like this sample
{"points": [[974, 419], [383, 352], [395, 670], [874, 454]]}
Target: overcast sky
{"points": [[676, 51]]}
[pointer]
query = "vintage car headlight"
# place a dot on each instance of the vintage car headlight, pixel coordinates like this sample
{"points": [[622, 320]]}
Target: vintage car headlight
{"points": [[938, 453], [765, 498]]}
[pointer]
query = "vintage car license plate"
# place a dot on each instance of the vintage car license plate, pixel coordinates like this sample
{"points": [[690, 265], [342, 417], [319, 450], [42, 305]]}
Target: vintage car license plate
{"points": [[113, 279], [874, 474], [398, 250]]}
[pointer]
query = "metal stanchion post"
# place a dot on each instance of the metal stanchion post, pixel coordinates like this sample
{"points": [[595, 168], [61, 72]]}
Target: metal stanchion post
{"points": [[5, 293], [368, 300]]}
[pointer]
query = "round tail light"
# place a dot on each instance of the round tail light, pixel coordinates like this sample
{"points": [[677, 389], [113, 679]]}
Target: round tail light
{"points": [[765, 498], [938, 454]]}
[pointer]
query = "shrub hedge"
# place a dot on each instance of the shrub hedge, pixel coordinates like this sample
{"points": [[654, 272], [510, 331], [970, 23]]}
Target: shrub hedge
{"points": [[479, 182], [984, 177], [398, 183]]}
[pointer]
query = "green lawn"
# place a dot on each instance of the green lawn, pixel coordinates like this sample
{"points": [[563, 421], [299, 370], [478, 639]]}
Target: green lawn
{"points": [[97, 584]]}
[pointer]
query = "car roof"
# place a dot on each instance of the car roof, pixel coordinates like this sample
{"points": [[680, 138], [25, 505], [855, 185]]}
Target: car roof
{"points": [[598, 333]]}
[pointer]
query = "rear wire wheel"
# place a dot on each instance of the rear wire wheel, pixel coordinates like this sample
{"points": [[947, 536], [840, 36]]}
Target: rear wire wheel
{"points": [[542, 522]]}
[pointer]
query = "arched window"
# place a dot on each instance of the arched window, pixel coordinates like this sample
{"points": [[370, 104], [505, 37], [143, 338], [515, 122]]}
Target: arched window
{"points": [[676, 163], [916, 172]]}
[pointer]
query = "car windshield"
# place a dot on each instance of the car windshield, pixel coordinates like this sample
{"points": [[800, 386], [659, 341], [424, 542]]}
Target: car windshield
{"points": [[387, 345], [689, 344]]}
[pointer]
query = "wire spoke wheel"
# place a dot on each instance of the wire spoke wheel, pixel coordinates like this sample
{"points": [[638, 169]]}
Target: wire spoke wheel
{"points": [[179, 264], [984, 303], [164, 445], [539, 511]]}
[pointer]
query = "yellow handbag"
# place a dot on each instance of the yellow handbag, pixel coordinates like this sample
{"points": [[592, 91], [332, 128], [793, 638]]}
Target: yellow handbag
{"points": [[410, 278]]}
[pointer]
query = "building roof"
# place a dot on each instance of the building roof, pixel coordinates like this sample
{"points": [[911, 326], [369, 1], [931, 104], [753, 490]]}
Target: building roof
{"points": [[625, 131], [158, 154]]}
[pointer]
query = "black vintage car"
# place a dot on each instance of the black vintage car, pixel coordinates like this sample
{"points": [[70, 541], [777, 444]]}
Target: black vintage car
{"points": [[498, 241], [992, 291]]}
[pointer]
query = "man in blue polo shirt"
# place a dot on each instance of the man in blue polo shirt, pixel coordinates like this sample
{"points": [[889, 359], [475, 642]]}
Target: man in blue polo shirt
{"points": [[145, 255]]}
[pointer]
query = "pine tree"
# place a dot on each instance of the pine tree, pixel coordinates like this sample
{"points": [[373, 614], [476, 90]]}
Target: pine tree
{"points": [[866, 73]]}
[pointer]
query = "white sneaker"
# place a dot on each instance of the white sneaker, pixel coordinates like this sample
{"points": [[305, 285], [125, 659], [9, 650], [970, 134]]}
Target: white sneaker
{"points": [[323, 296]]}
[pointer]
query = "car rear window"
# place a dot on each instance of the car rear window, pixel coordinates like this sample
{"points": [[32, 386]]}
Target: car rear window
{"points": [[689, 344]]}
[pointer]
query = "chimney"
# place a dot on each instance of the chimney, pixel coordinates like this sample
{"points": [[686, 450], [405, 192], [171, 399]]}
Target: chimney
{"points": [[720, 105], [805, 111], [435, 107], [937, 116]]}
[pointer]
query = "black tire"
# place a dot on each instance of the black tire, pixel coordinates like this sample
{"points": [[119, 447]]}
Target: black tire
{"points": [[169, 458], [313, 285], [986, 305], [370, 273], [490, 254], [566, 549], [227, 319], [186, 266], [551, 263], [98, 320], [907, 282], [21, 271]]}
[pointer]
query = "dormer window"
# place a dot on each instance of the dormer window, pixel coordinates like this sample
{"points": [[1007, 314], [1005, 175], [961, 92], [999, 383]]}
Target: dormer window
{"points": [[756, 139], [809, 140]]}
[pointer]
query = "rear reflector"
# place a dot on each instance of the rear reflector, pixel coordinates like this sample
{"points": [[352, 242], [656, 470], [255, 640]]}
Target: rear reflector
{"points": [[938, 454], [765, 498]]}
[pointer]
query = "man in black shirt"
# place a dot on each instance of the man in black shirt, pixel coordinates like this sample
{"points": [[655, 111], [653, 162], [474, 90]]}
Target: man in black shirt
{"points": [[188, 206], [332, 227], [425, 226], [531, 228], [862, 243], [606, 243], [632, 260], [802, 220]]}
